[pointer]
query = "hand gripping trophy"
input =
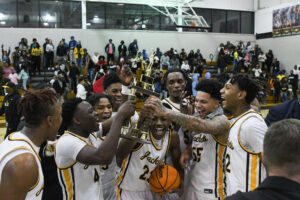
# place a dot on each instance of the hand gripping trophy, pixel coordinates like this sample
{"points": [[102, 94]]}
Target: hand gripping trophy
{"points": [[139, 131]]}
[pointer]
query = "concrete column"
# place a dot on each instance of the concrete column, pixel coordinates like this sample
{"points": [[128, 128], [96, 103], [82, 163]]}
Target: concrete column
{"points": [[179, 19]]}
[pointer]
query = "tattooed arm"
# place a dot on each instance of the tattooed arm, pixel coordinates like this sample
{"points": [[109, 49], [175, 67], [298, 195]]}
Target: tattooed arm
{"points": [[219, 125]]}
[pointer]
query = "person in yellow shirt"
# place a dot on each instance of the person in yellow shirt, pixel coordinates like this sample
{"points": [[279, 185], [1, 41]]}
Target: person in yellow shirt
{"points": [[36, 53], [79, 54], [235, 59]]}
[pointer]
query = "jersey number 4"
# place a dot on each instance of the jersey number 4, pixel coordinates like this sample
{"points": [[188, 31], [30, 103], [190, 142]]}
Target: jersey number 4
{"points": [[197, 154], [146, 171]]}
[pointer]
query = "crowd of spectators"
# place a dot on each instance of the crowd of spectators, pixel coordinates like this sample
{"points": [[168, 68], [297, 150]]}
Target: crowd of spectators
{"points": [[80, 72]]}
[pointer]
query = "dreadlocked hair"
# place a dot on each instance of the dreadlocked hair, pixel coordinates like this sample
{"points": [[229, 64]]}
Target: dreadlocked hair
{"points": [[35, 106], [68, 111]]}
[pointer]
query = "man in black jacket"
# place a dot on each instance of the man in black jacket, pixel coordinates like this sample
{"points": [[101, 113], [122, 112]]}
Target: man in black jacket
{"points": [[281, 158], [10, 107], [122, 50], [133, 48]]}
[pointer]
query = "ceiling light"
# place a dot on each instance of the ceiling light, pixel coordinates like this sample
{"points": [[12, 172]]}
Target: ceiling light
{"points": [[46, 24], [2, 22]]}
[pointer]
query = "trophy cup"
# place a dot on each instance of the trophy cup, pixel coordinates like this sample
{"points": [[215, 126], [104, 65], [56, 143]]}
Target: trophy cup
{"points": [[135, 131]]}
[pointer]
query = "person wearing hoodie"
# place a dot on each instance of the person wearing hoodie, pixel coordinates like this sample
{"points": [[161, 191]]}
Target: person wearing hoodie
{"points": [[10, 108]]}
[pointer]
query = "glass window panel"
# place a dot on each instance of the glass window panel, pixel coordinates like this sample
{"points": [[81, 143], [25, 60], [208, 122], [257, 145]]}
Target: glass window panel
{"points": [[28, 13], [95, 15], [133, 16], [151, 18], [247, 22], [69, 14], [8, 14], [166, 22], [219, 21], [49, 14], [206, 14], [233, 22], [114, 16]]}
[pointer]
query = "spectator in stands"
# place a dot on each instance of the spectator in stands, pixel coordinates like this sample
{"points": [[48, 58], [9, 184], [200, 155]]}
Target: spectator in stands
{"points": [[81, 91], [122, 49], [73, 75], [185, 66], [24, 77], [275, 67], [293, 81], [281, 75], [235, 59], [7, 69], [145, 55], [284, 90], [221, 63], [44, 50], [36, 53], [61, 52], [102, 64], [34, 42], [269, 60], [158, 53], [198, 53], [50, 55], [79, 54], [15, 57], [23, 46], [59, 86], [296, 71], [9, 107], [72, 45], [182, 56], [191, 57], [281, 158], [110, 51], [5, 55], [165, 61], [133, 48], [261, 60], [14, 77], [257, 71], [277, 88], [174, 62], [65, 44], [90, 67]]}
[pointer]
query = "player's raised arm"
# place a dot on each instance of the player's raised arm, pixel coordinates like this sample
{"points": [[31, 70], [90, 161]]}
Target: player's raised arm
{"points": [[219, 125]]}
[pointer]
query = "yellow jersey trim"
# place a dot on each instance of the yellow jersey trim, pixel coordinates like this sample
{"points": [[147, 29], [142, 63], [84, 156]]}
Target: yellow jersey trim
{"points": [[24, 140], [172, 104]]}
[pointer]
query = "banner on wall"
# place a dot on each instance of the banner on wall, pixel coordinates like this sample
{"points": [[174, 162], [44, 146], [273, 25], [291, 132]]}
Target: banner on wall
{"points": [[286, 21]]}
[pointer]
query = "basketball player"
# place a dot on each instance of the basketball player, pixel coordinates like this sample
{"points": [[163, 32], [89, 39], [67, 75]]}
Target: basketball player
{"points": [[21, 175], [140, 159], [207, 151], [102, 104], [79, 153], [244, 170]]}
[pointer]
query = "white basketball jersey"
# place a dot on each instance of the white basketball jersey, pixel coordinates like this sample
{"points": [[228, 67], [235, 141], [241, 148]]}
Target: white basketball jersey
{"points": [[79, 181], [15, 144], [174, 106], [207, 176], [108, 176], [244, 169], [136, 168]]}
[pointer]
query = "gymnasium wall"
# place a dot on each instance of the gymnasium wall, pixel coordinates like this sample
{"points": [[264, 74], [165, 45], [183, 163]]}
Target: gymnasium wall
{"points": [[286, 49], [95, 40]]}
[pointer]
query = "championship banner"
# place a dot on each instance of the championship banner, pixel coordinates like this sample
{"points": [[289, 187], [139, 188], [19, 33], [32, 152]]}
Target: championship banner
{"points": [[286, 21]]}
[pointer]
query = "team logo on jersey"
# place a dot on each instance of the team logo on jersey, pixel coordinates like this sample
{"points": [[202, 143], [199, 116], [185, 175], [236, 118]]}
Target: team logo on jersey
{"points": [[149, 158], [230, 145], [201, 138]]}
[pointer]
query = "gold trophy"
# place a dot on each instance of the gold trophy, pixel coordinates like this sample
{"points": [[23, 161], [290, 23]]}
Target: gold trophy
{"points": [[135, 131]]}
